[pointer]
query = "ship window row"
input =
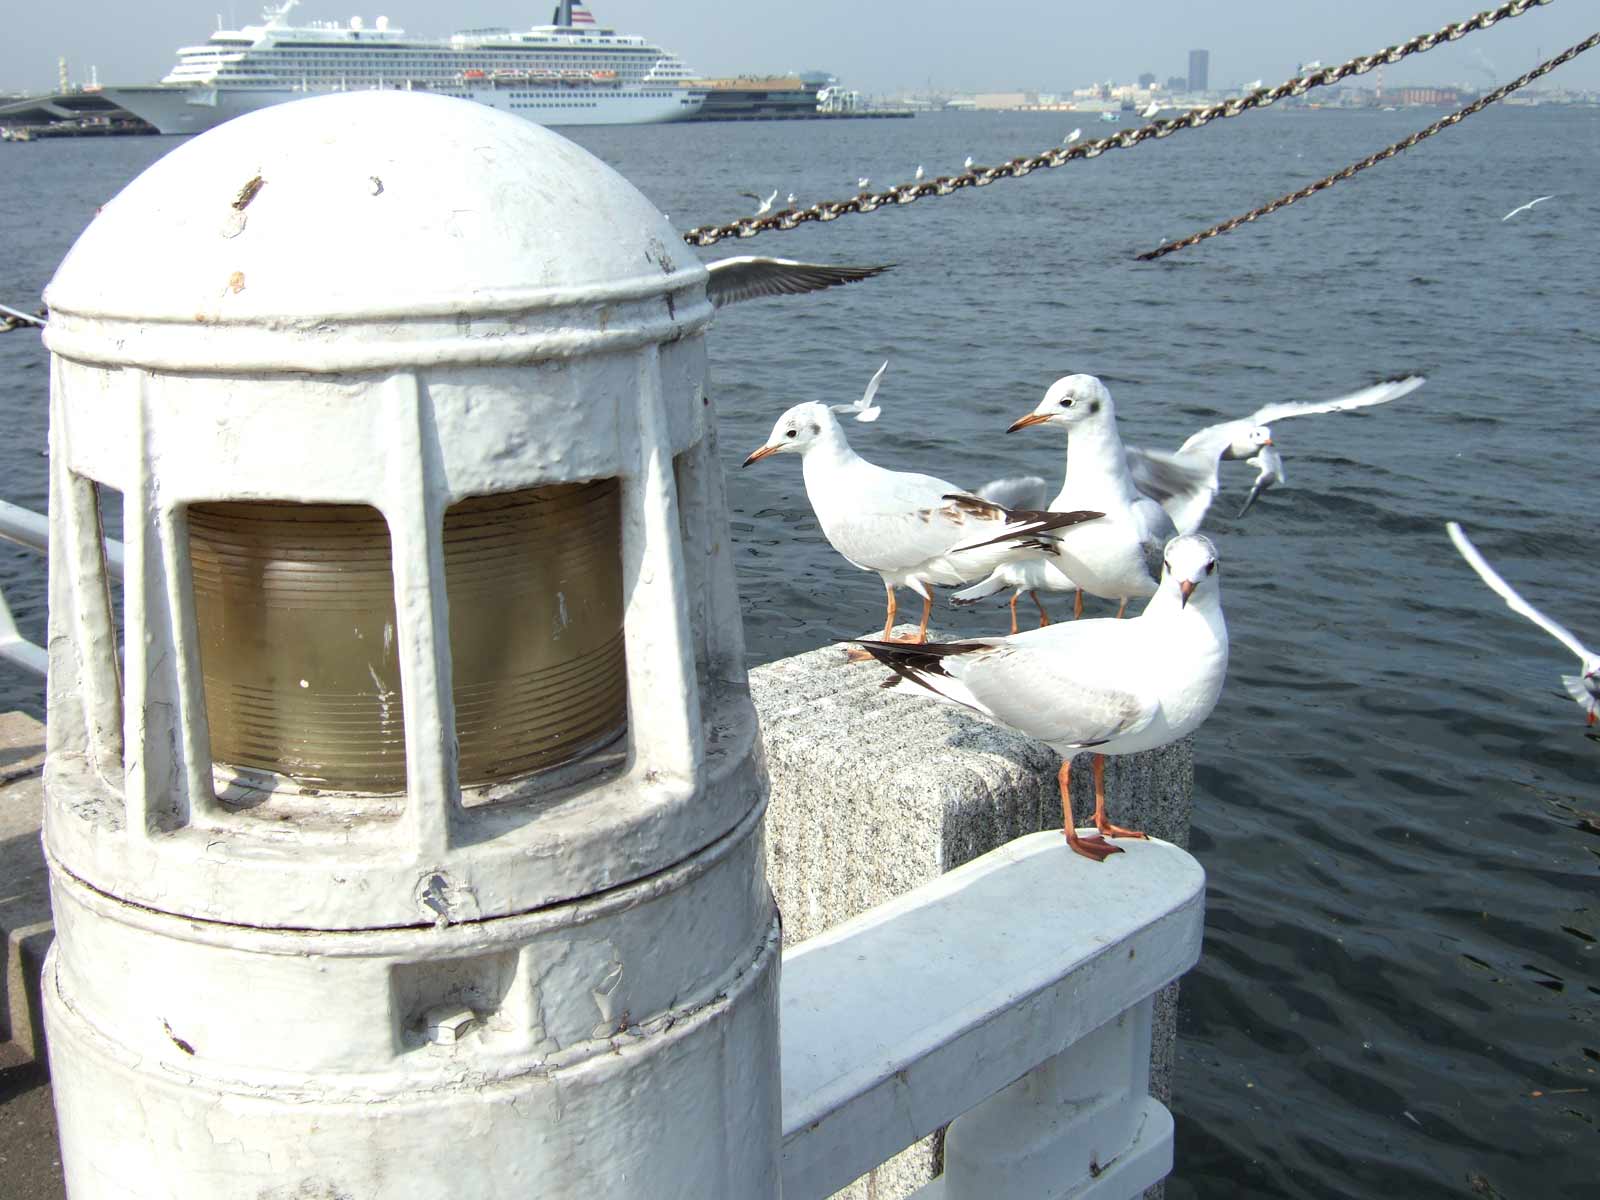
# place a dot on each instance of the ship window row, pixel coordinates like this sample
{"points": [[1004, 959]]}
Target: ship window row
{"points": [[561, 104]]}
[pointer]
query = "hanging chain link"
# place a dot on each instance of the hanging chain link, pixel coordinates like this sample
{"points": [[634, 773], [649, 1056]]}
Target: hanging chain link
{"points": [[906, 193], [1387, 152]]}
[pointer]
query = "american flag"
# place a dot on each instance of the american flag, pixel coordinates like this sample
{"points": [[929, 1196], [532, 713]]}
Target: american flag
{"points": [[581, 15]]}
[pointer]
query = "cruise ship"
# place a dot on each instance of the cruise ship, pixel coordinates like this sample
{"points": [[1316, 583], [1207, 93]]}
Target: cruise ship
{"points": [[569, 72]]}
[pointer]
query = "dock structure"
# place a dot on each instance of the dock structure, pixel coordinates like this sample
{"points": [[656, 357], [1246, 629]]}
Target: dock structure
{"points": [[427, 947], [66, 114], [784, 98]]}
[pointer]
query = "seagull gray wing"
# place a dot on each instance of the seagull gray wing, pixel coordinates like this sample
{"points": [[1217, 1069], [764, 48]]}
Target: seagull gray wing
{"points": [[1378, 393], [1019, 491], [1183, 484], [1509, 594], [1065, 689], [749, 278]]}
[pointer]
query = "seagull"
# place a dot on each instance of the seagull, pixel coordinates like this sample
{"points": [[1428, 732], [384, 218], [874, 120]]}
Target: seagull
{"points": [[1112, 687], [862, 182], [1526, 207], [1583, 687], [919, 173], [1151, 110], [1185, 481], [1072, 137], [748, 277], [1253, 87], [1119, 557], [1314, 65], [766, 205], [1269, 467], [913, 530], [790, 200], [863, 409], [967, 166]]}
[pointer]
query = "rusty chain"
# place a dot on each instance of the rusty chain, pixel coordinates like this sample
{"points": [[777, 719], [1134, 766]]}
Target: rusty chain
{"points": [[1387, 152], [906, 193]]}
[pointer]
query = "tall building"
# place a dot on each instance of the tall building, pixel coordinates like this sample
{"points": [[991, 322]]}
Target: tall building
{"points": [[1199, 70]]}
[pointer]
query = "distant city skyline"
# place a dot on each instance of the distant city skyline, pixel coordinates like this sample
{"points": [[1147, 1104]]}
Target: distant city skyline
{"points": [[1038, 45]]}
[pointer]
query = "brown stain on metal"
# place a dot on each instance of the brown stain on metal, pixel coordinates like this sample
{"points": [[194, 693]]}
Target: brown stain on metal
{"points": [[248, 193], [236, 282]]}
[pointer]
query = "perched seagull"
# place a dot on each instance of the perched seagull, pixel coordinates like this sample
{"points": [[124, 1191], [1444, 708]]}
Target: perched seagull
{"points": [[1269, 467], [1314, 65], [766, 205], [1185, 481], [1072, 137], [861, 183], [913, 530], [919, 173], [1583, 687], [1112, 687], [1253, 87], [13, 317], [1119, 557], [967, 166], [1151, 110], [1526, 207], [790, 200], [748, 278]]}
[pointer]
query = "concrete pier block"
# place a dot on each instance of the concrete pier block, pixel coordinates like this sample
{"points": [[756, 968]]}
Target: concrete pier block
{"points": [[25, 929], [874, 793]]}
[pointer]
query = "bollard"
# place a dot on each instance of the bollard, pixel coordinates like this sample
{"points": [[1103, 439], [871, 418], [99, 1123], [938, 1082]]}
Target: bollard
{"points": [[414, 849]]}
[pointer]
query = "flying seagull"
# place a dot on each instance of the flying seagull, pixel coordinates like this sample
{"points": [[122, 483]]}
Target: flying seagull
{"points": [[749, 278], [1584, 687], [1269, 466], [1151, 110], [1072, 137], [766, 205], [1526, 207]]}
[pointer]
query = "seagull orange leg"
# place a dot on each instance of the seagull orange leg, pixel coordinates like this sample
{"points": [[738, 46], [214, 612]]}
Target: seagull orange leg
{"points": [[1077, 605], [927, 612], [1122, 608], [1044, 617], [1106, 828], [1014, 596], [856, 653], [1096, 847]]}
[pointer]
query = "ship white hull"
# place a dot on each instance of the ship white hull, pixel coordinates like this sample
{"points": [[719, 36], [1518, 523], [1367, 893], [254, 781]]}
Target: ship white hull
{"points": [[180, 109]]}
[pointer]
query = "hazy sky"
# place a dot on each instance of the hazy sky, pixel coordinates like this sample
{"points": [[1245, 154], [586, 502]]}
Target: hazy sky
{"points": [[1049, 45]]}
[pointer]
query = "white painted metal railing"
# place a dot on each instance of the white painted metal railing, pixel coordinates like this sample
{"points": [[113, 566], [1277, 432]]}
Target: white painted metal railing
{"points": [[32, 530], [1011, 996]]}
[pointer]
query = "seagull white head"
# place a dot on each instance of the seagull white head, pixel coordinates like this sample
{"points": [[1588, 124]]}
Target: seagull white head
{"points": [[799, 429], [1248, 444], [1069, 401], [1189, 566]]}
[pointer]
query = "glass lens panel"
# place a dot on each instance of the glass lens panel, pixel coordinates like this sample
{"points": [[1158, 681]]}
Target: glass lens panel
{"points": [[535, 587], [295, 607]]}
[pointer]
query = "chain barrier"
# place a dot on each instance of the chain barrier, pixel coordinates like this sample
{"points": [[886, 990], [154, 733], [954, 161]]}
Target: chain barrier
{"points": [[906, 193], [1387, 152]]}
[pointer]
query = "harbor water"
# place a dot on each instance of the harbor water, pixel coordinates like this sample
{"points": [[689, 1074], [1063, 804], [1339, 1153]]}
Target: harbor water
{"points": [[1396, 808]]}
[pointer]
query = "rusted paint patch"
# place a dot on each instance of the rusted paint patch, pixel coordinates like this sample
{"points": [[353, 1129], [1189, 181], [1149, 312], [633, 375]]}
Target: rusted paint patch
{"points": [[236, 282], [176, 1040], [248, 193]]}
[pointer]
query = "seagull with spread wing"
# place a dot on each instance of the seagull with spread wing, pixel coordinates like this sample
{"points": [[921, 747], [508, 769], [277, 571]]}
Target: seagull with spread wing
{"points": [[765, 205], [1583, 687], [1522, 208], [1185, 481]]}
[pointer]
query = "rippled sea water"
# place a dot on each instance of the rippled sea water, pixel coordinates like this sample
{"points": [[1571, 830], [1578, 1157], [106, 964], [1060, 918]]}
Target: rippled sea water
{"points": [[1398, 993]]}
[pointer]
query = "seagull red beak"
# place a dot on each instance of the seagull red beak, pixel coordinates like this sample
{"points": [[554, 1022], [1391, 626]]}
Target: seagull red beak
{"points": [[1268, 442], [1030, 419], [760, 454], [1186, 587]]}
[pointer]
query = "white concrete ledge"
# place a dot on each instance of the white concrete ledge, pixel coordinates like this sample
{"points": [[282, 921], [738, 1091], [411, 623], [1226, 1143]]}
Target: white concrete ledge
{"points": [[909, 1015]]}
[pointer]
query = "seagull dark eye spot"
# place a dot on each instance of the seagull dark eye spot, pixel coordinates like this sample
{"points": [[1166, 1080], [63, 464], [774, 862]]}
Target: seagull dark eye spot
{"points": [[791, 433], [816, 429], [1094, 406]]}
